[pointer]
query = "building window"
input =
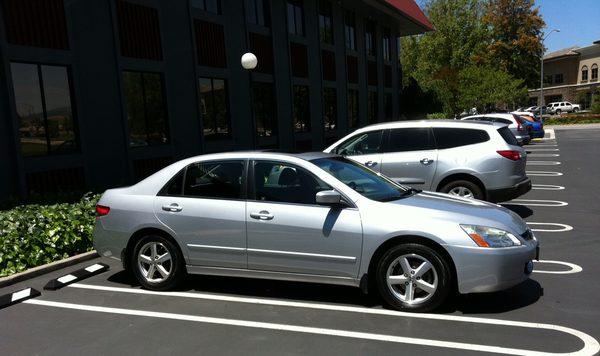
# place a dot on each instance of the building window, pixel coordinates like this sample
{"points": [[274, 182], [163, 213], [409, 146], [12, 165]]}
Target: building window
{"points": [[330, 109], [325, 21], [299, 57], [263, 96], [372, 73], [388, 106], [301, 109], [548, 79], [370, 38], [139, 31], [558, 78], [262, 47], [584, 74], [43, 104], [372, 108], [258, 13], [212, 6], [594, 72], [328, 64], [214, 107], [145, 108], [352, 69], [350, 30], [35, 23], [210, 44], [385, 45], [295, 17], [352, 108]]}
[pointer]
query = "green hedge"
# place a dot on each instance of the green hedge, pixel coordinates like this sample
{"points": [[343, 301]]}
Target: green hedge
{"points": [[573, 119], [33, 235]]}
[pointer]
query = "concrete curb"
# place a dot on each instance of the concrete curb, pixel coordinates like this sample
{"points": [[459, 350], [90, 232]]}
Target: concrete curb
{"points": [[53, 266]]}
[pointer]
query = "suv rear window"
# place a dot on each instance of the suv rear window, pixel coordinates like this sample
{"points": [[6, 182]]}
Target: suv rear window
{"points": [[508, 136], [447, 137]]}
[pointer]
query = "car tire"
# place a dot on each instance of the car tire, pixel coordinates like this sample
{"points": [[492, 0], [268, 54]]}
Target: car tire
{"points": [[396, 294], [575, 110], [161, 258], [558, 112], [460, 187]]}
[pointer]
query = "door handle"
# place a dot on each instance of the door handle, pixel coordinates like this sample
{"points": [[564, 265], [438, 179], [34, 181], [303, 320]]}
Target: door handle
{"points": [[370, 163], [426, 161], [263, 215], [174, 208]]}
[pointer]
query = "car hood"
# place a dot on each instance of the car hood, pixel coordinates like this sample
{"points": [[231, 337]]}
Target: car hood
{"points": [[463, 211]]}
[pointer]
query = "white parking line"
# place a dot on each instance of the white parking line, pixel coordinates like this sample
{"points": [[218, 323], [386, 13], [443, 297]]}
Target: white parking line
{"points": [[542, 149], [547, 187], [590, 345], [543, 163], [563, 227], [543, 155], [543, 174], [538, 202], [551, 134], [573, 267]]}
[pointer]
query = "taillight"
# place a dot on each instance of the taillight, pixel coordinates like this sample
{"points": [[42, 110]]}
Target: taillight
{"points": [[510, 154], [519, 127], [102, 210]]}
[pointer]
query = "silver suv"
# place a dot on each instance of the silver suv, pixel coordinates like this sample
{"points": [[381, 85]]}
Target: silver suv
{"points": [[471, 159]]}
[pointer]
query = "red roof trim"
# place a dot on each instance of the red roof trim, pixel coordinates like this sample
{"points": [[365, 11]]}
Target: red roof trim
{"points": [[411, 10]]}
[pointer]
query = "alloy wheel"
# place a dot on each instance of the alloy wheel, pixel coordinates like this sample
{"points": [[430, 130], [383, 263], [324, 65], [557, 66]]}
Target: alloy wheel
{"points": [[461, 192], [154, 262], [412, 279]]}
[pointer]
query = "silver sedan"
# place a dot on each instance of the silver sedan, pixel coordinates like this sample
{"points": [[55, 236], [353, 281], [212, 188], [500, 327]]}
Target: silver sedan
{"points": [[312, 217]]}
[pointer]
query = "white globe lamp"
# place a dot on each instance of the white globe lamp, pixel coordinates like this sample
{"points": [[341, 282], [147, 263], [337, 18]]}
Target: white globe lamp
{"points": [[249, 61]]}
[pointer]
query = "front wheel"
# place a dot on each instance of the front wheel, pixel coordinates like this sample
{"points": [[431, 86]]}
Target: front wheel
{"points": [[558, 112], [413, 277], [157, 263], [463, 188]]}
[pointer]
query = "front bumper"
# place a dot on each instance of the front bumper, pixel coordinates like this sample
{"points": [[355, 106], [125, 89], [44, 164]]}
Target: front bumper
{"points": [[505, 194], [481, 270]]}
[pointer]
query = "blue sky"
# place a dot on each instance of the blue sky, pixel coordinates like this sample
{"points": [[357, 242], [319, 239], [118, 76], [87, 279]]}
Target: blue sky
{"points": [[578, 21]]}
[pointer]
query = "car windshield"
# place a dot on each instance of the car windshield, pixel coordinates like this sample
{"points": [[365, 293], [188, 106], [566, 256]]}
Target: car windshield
{"points": [[363, 180]]}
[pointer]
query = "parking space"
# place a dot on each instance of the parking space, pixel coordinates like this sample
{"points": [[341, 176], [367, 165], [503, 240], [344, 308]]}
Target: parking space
{"points": [[556, 311]]}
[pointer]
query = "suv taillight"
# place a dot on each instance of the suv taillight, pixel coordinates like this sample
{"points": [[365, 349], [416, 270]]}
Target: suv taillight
{"points": [[510, 154], [102, 210]]}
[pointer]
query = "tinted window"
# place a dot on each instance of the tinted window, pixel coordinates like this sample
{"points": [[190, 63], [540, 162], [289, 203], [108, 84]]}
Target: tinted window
{"points": [[214, 180], [503, 121], [361, 144], [281, 182], [508, 136], [175, 185], [413, 139], [446, 137]]}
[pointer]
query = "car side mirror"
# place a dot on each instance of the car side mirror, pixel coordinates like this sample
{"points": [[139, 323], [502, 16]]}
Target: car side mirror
{"points": [[330, 198]]}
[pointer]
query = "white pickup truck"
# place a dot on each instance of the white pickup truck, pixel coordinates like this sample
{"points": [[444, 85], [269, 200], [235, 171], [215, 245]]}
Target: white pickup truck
{"points": [[559, 107]]}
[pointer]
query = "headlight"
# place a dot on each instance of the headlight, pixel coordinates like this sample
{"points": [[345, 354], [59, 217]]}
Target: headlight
{"points": [[485, 236]]}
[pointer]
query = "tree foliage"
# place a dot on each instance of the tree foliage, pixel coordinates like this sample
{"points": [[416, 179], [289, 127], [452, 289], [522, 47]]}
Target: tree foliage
{"points": [[470, 41]]}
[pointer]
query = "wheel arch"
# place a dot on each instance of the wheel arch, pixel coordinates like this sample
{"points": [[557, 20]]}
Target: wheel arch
{"points": [[404, 239], [462, 176], [136, 236]]}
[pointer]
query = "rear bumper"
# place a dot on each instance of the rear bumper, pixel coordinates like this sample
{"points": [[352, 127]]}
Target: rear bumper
{"points": [[524, 139], [538, 134], [505, 194], [482, 270]]}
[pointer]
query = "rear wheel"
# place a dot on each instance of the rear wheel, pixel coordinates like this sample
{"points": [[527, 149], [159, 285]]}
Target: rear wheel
{"points": [[463, 188], [157, 263], [575, 109], [558, 111], [413, 277]]}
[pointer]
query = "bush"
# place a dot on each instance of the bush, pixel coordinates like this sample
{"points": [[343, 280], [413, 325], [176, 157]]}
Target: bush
{"points": [[33, 235], [436, 116], [596, 107]]}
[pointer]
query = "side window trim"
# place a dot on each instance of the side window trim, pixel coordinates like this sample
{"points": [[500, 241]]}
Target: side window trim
{"points": [[243, 184]]}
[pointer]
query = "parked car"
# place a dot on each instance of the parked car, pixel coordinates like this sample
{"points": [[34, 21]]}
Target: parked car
{"points": [[312, 217], [562, 106], [516, 124], [468, 159], [531, 109], [537, 126]]}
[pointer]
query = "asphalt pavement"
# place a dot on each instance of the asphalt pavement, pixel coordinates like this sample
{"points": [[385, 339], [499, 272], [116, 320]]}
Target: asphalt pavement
{"points": [[556, 311]]}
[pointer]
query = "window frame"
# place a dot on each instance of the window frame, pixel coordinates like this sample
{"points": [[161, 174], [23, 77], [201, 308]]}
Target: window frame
{"points": [[584, 70], [213, 120], [594, 70], [251, 188], [243, 184], [325, 12], [350, 36], [297, 6], [74, 115], [205, 8]]}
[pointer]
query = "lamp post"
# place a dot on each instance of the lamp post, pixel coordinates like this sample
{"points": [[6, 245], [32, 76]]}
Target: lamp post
{"points": [[542, 72], [249, 62]]}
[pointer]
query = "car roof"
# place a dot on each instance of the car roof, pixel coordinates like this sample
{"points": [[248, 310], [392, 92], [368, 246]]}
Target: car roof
{"points": [[426, 123], [264, 154], [502, 115]]}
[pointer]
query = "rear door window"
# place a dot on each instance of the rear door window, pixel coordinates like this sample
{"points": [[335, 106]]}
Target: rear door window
{"points": [[410, 139], [508, 136], [448, 137], [215, 179]]}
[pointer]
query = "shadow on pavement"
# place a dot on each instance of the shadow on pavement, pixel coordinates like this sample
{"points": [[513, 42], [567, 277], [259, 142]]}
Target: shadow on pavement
{"points": [[521, 210]]}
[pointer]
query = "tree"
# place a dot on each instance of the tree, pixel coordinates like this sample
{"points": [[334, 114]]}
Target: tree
{"points": [[435, 59], [487, 88], [515, 29]]}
